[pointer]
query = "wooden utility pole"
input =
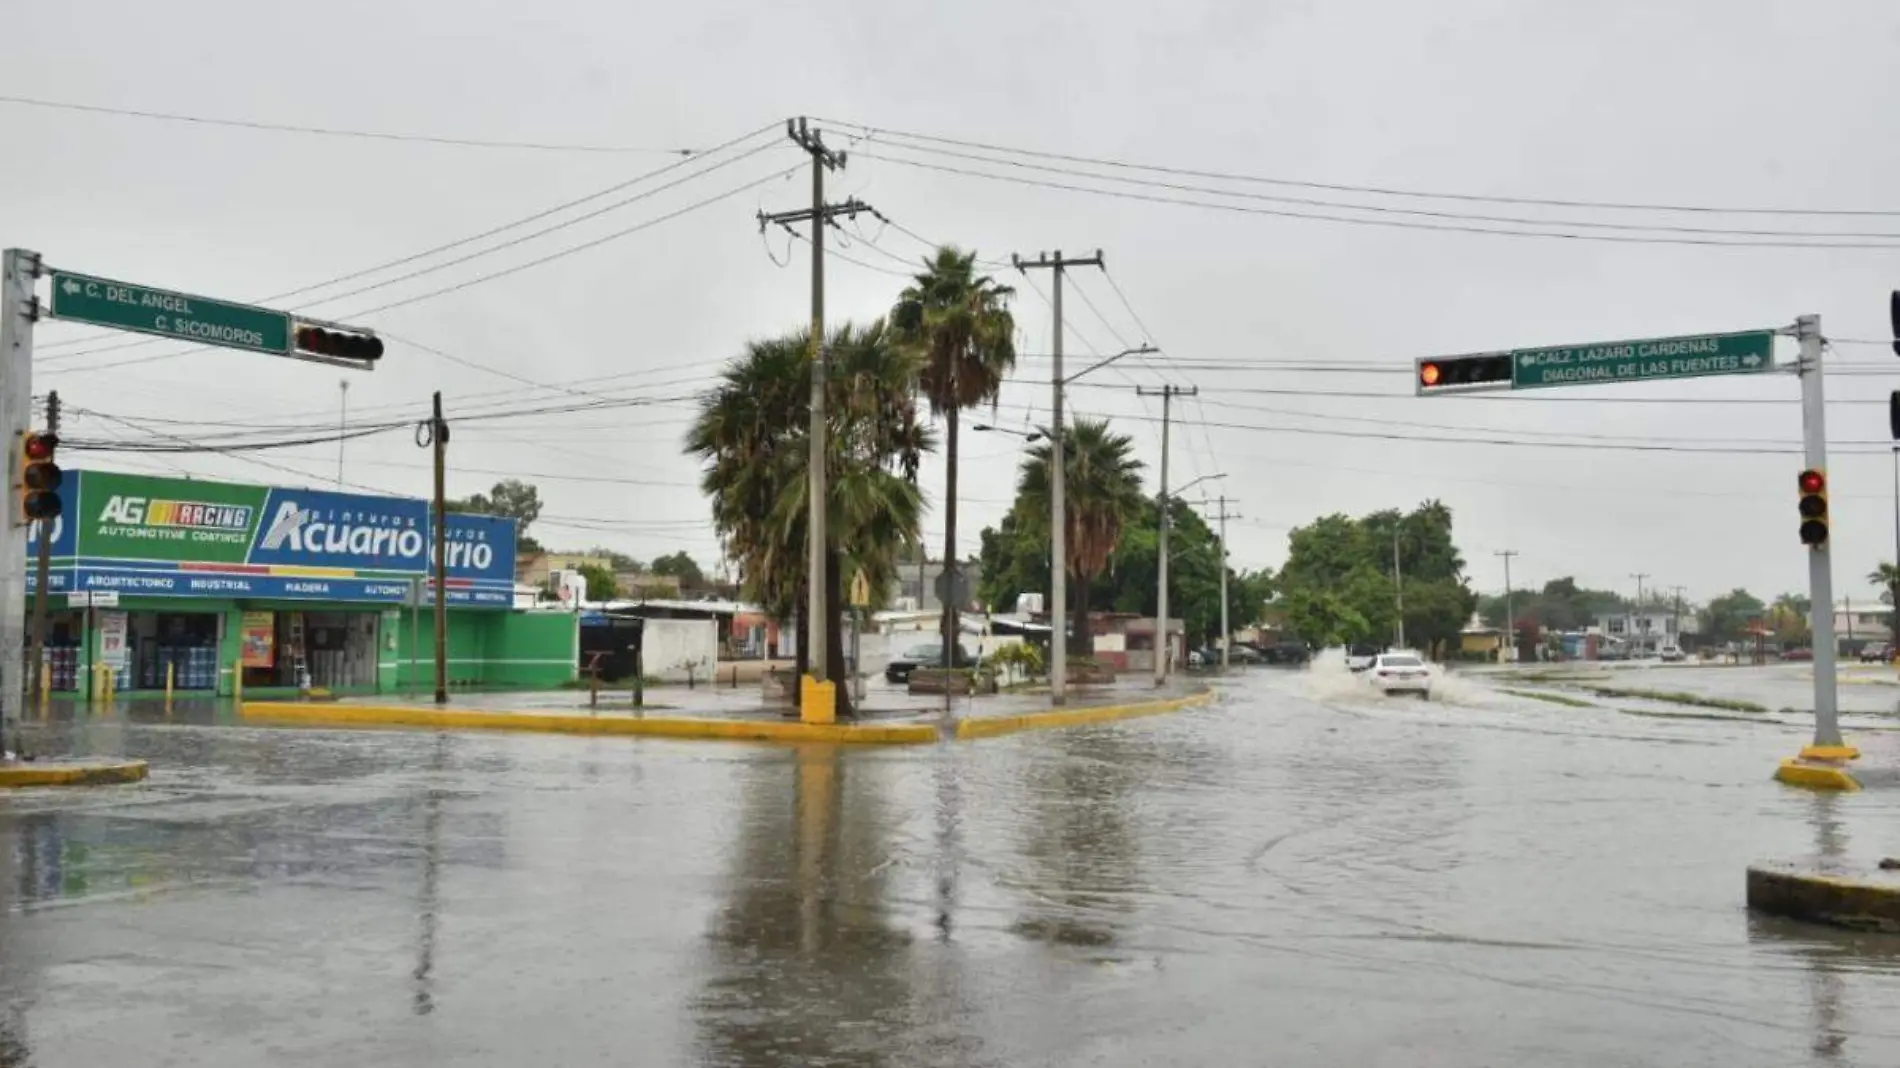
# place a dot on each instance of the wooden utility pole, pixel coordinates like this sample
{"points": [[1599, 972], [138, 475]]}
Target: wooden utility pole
{"points": [[42, 571], [818, 541], [1163, 642], [439, 439], [1058, 483]]}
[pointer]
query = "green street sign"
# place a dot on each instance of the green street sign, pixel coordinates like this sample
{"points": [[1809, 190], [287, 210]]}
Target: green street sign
{"points": [[82, 298], [1646, 360]]}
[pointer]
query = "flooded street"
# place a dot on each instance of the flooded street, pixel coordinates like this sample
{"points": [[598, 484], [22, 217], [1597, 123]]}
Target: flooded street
{"points": [[1302, 873]]}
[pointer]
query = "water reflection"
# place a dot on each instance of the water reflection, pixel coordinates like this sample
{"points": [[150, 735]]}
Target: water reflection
{"points": [[807, 964], [430, 903], [1080, 842]]}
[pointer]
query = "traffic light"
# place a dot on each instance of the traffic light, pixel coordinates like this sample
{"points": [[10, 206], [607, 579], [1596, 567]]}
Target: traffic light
{"points": [[1893, 317], [342, 344], [1452, 374], [1813, 485], [40, 478]]}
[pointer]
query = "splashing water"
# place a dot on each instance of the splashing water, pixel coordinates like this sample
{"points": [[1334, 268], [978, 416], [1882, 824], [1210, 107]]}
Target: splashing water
{"points": [[1329, 679]]}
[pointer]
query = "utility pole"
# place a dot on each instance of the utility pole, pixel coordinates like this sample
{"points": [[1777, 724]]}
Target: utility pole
{"points": [[1827, 727], [1398, 580], [1676, 623], [817, 538], [18, 310], [1510, 610], [42, 573], [1058, 483], [1163, 642], [439, 438], [1639, 624], [1226, 630]]}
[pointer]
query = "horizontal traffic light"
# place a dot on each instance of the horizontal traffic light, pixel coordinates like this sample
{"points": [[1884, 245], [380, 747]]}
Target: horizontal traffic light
{"points": [[342, 344], [1448, 374], [1812, 485]]}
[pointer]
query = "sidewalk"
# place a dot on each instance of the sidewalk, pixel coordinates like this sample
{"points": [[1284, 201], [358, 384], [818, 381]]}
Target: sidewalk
{"points": [[887, 716]]}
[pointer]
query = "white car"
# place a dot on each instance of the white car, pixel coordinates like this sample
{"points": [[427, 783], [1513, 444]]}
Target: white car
{"points": [[1669, 654], [1394, 673], [1360, 657]]}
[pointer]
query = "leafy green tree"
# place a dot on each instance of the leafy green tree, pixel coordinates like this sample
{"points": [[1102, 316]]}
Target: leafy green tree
{"points": [[1727, 617], [601, 585], [510, 498], [1343, 577], [620, 561], [1102, 480], [752, 435], [956, 322], [680, 566]]}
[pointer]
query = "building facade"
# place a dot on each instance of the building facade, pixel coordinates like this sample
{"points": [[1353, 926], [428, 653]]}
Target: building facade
{"points": [[217, 585]]}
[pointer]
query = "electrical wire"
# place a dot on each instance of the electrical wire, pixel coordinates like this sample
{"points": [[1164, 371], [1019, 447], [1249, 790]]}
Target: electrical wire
{"points": [[1373, 190], [325, 131]]}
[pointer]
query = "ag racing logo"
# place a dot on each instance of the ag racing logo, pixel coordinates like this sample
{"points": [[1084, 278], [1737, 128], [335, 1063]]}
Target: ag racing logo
{"points": [[161, 519]]}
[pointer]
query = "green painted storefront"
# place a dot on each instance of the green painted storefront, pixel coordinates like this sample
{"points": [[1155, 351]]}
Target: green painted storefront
{"points": [[487, 649]]}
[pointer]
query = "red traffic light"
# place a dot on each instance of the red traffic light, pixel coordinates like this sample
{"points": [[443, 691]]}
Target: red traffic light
{"points": [[338, 343], [1428, 374], [1813, 482], [41, 446]]}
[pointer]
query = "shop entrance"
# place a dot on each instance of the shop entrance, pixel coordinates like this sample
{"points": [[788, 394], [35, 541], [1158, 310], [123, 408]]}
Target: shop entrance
{"points": [[338, 649], [186, 642]]}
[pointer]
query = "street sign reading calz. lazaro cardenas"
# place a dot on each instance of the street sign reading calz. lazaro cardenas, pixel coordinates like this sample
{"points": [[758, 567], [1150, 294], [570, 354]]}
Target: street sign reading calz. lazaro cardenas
{"points": [[1650, 359], [103, 302]]}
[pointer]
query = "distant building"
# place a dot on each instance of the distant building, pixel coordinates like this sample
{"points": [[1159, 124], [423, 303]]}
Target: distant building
{"points": [[916, 588], [1643, 633], [535, 568], [1860, 622], [641, 585]]}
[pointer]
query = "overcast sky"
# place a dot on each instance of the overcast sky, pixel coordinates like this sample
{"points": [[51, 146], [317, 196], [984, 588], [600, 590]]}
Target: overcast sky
{"points": [[1749, 103]]}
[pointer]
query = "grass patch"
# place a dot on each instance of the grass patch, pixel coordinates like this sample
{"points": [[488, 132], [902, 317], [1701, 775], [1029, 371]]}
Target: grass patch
{"points": [[1552, 698], [1651, 713], [1678, 698]]}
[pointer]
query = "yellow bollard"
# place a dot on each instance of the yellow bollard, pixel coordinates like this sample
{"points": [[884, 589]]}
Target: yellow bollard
{"points": [[817, 701], [46, 689], [170, 671], [237, 684]]}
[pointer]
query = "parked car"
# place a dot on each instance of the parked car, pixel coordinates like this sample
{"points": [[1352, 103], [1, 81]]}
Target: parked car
{"points": [[1798, 654], [1876, 654], [1396, 673], [1243, 654], [1286, 653], [898, 669], [1670, 653]]}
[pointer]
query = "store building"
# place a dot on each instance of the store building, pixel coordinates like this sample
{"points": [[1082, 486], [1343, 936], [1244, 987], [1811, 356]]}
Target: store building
{"points": [[215, 583]]}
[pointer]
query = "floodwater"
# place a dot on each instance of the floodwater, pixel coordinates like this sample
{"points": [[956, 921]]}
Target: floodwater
{"points": [[1302, 874]]}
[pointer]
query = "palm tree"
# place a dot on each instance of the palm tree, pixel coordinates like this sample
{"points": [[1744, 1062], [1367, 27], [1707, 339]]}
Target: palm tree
{"points": [[1102, 481], [958, 322], [1887, 577], [752, 434]]}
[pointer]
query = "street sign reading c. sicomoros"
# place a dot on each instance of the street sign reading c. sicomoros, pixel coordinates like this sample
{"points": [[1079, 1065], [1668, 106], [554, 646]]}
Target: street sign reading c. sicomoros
{"points": [[1645, 360], [103, 302]]}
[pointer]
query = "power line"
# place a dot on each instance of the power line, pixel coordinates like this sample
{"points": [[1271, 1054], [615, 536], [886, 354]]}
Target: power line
{"points": [[326, 131], [1373, 190], [1401, 224]]}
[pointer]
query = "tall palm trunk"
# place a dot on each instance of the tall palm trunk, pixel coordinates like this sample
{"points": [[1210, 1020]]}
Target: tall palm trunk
{"points": [[1082, 643], [950, 635]]}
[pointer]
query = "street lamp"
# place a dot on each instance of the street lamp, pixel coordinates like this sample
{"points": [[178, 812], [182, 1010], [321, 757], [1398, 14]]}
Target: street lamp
{"points": [[1030, 436], [1162, 643]]}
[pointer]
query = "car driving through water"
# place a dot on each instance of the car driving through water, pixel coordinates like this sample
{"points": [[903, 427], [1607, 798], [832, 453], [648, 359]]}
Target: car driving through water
{"points": [[1396, 673]]}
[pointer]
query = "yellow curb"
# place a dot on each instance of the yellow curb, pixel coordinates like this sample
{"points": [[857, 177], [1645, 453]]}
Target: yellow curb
{"points": [[1817, 776], [1830, 752], [993, 726], [96, 774], [653, 727], [1828, 899]]}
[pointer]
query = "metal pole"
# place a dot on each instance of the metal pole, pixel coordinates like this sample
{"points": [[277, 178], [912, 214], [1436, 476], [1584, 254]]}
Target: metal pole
{"points": [[1827, 728], [342, 426], [415, 629], [1162, 644], [42, 574], [1226, 632], [1058, 517], [1639, 622], [1398, 582], [1891, 592], [18, 269], [440, 438], [1510, 606], [816, 536]]}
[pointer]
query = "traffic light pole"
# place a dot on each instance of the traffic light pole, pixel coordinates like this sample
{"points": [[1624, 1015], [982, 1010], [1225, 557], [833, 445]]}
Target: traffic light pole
{"points": [[1827, 727], [42, 574], [439, 438], [18, 269]]}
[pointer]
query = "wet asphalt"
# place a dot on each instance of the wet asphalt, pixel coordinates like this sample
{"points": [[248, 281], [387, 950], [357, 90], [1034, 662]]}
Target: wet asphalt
{"points": [[1301, 874]]}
